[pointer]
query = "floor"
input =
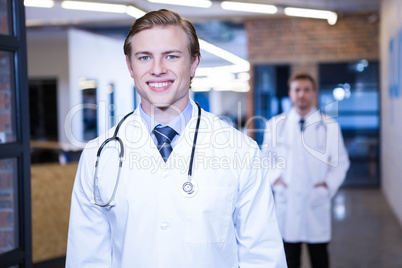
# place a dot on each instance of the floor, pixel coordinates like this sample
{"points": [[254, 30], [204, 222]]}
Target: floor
{"points": [[365, 233]]}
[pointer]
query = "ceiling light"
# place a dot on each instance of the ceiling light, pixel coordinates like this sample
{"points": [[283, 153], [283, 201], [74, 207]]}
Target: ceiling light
{"points": [[339, 93], [92, 6], [330, 16], [36, 23], [332, 19], [239, 64], [135, 12], [191, 3], [249, 7], [39, 3], [221, 53], [235, 68], [86, 84], [200, 84]]}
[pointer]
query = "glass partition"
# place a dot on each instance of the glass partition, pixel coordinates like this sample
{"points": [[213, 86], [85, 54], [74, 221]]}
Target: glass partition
{"points": [[7, 133]]}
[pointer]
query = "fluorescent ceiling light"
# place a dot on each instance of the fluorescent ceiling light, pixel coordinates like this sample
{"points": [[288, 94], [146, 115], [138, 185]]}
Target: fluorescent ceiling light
{"points": [[135, 12], [92, 6], [39, 3], [33, 22], [332, 19], [239, 65], [191, 3], [330, 16], [236, 68], [86, 84], [249, 7], [221, 53]]}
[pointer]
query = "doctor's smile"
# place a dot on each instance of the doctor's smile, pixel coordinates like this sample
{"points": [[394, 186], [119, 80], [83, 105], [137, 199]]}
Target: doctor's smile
{"points": [[159, 86]]}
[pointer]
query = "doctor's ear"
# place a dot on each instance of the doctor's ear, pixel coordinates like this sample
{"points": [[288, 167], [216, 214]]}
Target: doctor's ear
{"points": [[194, 66]]}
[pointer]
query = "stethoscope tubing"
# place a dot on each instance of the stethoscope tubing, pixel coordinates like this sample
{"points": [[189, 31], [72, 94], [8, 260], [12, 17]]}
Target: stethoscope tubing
{"points": [[121, 155], [190, 168]]}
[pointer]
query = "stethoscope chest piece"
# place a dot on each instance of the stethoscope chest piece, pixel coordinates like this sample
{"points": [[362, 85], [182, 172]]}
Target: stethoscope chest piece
{"points": [[189, 189]]}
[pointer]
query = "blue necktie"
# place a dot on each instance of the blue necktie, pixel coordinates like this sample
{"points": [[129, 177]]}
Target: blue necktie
{"points": [[301, 122], [164, 136]]}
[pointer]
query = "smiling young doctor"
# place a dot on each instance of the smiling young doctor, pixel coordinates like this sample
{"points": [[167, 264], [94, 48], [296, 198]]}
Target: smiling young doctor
{"points": [[311, 145], [221, 216]]}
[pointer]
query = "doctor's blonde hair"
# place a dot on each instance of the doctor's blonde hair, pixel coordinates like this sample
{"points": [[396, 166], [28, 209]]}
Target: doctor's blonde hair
{"points": [[163, 18]]}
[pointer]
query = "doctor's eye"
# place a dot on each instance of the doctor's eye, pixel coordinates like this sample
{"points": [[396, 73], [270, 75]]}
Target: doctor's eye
{"points": [[144, 58], [171, 57]]}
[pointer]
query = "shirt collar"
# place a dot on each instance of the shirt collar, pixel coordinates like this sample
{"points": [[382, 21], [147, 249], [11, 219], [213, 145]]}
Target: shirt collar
{"points": [[297, 117], [178, 123]]}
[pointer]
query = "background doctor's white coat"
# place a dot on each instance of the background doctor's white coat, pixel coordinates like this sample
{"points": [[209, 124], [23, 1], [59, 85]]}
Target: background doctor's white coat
{"points": [[305, 158]]}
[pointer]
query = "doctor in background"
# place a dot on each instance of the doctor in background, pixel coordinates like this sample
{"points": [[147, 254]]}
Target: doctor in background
{"points": [[153, 221], [311, 164]]}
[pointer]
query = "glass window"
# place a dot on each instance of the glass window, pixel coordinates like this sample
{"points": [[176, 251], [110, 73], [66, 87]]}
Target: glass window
{"points": [[112, 106], [7, 133], [270, 95], [90, 113], [4, 19], [350, 92], [8, 205]]}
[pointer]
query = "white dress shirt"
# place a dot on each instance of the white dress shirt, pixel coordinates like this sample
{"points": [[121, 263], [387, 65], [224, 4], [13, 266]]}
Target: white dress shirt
{"points": [[178, 123]]}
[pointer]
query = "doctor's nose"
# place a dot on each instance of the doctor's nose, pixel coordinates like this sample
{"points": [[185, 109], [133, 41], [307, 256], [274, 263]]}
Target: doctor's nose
{"points": [[301, 93], [157, 68]]}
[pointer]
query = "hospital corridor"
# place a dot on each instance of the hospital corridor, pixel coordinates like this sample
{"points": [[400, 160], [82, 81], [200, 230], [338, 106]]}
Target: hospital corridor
{"points": [[311, 87]]}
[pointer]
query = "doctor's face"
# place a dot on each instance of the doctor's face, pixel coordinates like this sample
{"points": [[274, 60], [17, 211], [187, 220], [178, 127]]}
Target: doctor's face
{"points": [[303, 95], [162, 67]]}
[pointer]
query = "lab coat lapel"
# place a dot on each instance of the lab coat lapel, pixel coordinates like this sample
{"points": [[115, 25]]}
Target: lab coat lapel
{"points": [[291, 127], [136, 137]]}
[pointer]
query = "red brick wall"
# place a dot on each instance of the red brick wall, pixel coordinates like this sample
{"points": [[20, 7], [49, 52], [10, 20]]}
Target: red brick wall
{"points": [[305, 40], [304, 43]]}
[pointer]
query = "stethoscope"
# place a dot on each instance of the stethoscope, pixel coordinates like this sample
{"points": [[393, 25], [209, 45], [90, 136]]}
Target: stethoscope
{"points": [[189, 187]]}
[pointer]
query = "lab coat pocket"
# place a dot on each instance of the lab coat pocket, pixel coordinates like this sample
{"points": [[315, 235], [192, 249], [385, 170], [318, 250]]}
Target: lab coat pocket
{"points": [[209, 216], [319, 197]]}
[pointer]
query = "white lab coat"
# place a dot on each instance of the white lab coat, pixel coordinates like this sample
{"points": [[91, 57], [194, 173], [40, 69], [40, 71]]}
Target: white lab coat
{"points": [[303, 159], [230, 222]]}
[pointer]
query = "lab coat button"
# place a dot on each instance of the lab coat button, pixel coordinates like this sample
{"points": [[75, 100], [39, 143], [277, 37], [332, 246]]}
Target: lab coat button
{"points": [[164, 226], [165, 176]]}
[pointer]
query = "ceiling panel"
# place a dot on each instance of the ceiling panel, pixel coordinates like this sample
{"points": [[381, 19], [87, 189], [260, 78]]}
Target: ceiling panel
{"points": [[58, 15]]}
